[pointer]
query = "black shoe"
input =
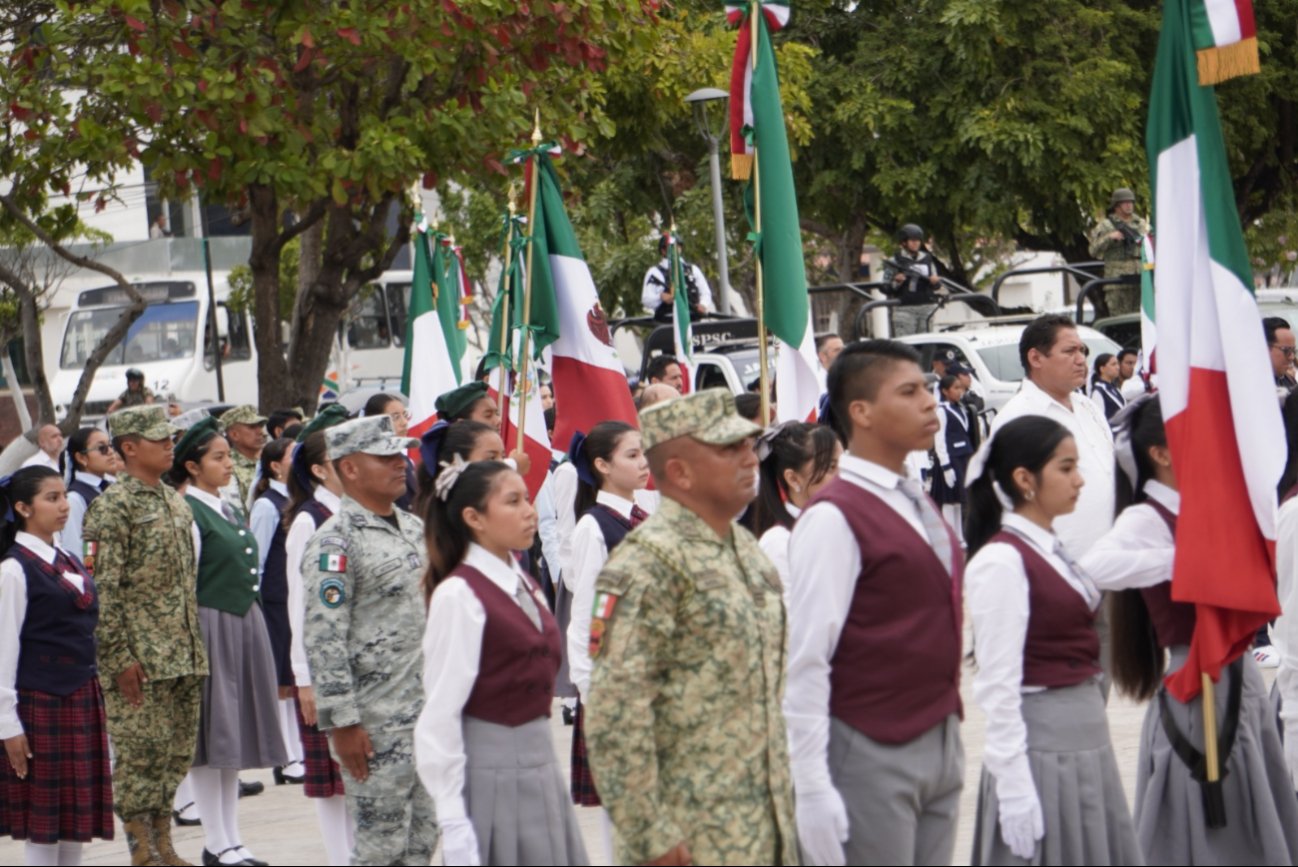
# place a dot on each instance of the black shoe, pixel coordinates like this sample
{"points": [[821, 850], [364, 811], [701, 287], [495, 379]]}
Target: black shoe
{"points": [[210, 860], [256, 862], [247, 790], [282, 778], [569, 715], [179, 816]]}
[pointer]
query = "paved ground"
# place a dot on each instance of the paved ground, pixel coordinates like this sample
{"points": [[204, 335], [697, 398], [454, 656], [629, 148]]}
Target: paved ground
{"points": [[280, 825]]}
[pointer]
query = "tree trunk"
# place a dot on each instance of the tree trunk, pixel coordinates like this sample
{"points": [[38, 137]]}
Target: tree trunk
{"points": [[33, 352], [273, 390]]}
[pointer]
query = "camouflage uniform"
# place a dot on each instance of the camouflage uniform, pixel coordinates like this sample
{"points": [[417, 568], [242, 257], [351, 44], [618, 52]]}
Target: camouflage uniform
{"points": [[363, 633], [130, 398], [1121, 258], [245, 469], [684, 729], [139, 548]]}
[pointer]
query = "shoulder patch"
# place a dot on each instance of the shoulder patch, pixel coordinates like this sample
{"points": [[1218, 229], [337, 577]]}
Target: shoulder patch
{"points": [[600, 618], [333, 562], [89, 548], [339, 542], [333, 592]]}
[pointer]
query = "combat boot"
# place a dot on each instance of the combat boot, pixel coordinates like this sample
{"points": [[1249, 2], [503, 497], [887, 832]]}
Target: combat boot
{"points": [[139, 840], [162, 843]]}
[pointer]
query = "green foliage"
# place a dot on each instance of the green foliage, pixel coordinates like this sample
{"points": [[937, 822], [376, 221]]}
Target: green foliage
{"points": [[240, 281]]}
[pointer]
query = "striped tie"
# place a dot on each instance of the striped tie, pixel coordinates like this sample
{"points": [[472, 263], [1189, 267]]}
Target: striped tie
{"points": [[934, 527]]}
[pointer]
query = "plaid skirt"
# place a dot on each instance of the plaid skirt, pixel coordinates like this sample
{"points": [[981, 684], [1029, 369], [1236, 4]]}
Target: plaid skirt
{"points": [[583, 784], [324, 778], [68, 792]]}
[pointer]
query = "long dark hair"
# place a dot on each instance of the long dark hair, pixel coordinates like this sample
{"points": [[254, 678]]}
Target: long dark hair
{"points": [[179, 474], [312, 452], [445, 533], [378, 403], [272, 453], [1100, 360], [1137, 660], [460, 439], [1289, 411], [76, 445], [23, 487], [791, 446], [1026, 442], [599, 444]]}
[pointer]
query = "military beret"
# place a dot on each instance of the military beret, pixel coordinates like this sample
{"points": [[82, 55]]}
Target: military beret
{"points": [[455, 404], [243, 414], [149, 421], [197, 434], [372, 435], [331, 415], [707, 416]]}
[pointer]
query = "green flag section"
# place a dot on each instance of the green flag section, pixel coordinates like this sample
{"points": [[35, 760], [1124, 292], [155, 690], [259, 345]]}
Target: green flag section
{"points": [[1214, 371], [682, 330], [786, 305], [428, 370], [448, 276], [509, 295]]}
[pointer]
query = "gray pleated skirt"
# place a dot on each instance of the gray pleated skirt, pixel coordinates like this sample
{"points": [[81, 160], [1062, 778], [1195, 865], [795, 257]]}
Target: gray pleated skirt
{"points": [[563, 686], [1076, 776], [239, 723], [517, 797], [1261, 808]]}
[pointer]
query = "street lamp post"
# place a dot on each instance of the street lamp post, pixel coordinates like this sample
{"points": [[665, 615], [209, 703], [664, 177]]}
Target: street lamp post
{"points": [[709, 106]]}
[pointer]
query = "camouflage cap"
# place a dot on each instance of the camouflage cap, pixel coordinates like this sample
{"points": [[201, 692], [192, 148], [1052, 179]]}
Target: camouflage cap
{"points": [[1121, 194], [707, 416], [245, 413], [372, 435], [149, 421]]}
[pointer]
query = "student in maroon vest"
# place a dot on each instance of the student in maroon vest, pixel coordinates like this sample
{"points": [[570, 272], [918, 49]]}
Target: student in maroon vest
{"points": [[1151, 634], [873, 697], [491, 652], [1050, 791], [315, 494], [55, 784], [611, 466]]}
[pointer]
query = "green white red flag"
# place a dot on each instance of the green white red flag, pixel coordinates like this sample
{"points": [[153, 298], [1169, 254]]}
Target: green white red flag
{"points": [[741, 81], [1225, 39], [682, 329], [428, 370], [1214, 372], [1148, 329]]}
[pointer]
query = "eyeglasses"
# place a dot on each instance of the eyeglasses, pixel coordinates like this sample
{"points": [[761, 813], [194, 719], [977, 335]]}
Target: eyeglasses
{"points": [[102, 448], [400, 416], [1286, 351]]}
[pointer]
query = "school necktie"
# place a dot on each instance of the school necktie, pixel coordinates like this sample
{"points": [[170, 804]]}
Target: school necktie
{"points": [[1089, 590], [230, 514], [527, 603], [934, 526], [638, 516], [104, 484]]}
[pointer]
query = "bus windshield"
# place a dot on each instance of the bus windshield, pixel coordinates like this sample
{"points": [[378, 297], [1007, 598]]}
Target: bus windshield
{"points": [[163, 331]]}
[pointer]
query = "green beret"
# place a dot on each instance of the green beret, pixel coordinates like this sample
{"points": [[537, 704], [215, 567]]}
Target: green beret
{"points": [[457, 403], [198, 433], [334, 413]]}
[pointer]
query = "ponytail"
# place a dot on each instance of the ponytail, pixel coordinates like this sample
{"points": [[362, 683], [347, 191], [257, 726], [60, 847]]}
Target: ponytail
{"points": [[600, 444], [1026, 442]]}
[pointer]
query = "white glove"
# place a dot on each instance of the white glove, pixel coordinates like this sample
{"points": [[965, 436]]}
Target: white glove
{"points": [[1021, 820], [948, 476], [459, 843], [822, 826]]}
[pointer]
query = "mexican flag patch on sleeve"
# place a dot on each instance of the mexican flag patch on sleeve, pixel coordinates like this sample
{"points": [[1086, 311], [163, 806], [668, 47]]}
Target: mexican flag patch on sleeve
{"points": [[333, 562]]}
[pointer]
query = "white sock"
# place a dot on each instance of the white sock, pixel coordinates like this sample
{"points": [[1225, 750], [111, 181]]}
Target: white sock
{"points": [[292, 735], [335, 829], [70, 854], [184, 797], [606, 826], [209, 796], [41, 854], [230, 807]]}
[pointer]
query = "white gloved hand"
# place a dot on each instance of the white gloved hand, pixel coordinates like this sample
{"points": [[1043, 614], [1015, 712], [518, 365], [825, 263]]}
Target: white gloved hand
{"points": [[822, 826], [459, 843], [948, 476], [1021, 819]]}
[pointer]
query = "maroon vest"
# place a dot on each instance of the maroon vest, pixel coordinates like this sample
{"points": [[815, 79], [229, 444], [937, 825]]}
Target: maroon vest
{"points": [[896, 671], [1173, 621], [519, 664], [1062, 647]]}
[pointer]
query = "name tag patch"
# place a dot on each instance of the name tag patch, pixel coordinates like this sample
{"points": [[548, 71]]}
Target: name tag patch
{"points": [[332, 593], [333, 562]]}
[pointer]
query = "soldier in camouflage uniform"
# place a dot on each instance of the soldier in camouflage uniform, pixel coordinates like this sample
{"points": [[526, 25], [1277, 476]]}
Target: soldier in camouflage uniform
{"points": [[246, 431], [139, 547], [136, 394], [685, 735], [363, 633], [1116, 239]]}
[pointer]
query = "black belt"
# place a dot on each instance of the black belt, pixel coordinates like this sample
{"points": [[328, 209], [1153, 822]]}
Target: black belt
{"points": [[1214, 803]]}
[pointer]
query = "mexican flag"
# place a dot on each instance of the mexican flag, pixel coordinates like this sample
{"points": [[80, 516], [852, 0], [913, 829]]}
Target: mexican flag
{"points": [[786, 304], [452, 297], [429, 369], [536, 441], [741, 81], [1214, 372], [589, 381], [1148, 330], [682, 330]]}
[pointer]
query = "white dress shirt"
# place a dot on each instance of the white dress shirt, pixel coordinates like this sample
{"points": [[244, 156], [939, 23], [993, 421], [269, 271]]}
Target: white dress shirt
{"points": [[589, 554], [41, 459], [216, 504], [824, 562], [265, 520], [1086, 422], [996, 592], [299, 534], [565, 518], [70, 536], [547, 526], [651, 292], [452, 651], [1139, 550], [13, 613], [1284, 632], [775, 544]]}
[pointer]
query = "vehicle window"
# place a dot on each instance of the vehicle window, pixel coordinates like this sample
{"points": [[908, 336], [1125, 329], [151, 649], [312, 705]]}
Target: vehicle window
{"points": [[367, 321], [1003, 361], [236, 334], [163, 331], [398, 304], [709, 375]]}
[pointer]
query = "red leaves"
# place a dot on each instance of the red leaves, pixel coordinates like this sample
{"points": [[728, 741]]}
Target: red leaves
{"points": [[136, 24], [19, 112], [305, 56], [214, 167], [307, 39], [154, 111], [430, 180], [182, 48], [351, 34], [494, 164]]}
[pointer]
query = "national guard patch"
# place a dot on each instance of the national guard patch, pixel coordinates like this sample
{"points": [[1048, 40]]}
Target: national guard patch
{"points": [[600, 618], [332, 593], [88, 551], [333, 562]]}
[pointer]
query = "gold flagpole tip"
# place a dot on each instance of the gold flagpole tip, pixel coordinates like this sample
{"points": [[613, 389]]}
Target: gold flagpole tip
{"points": [[536, 128]]}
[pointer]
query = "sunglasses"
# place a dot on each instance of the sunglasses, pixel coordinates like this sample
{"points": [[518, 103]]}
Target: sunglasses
{"points": [[102, 448]]}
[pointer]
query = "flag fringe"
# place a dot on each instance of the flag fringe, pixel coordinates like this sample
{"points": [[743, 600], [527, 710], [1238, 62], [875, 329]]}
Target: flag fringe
{"points": [[741, 166], [1229, 61]]}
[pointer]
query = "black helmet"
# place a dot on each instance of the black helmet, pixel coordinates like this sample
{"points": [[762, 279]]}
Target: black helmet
{"points": [[910, 232], [135, 373]]}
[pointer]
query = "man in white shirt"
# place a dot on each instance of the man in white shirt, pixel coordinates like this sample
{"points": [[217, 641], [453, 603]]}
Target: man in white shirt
{"points": [[1054, 359], [657, 296], [50, 441]]}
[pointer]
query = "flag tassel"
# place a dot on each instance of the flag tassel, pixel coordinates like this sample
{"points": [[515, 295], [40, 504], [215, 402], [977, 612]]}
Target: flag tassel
{"points": [[1219, 64], [527, 284], [741, 166]]}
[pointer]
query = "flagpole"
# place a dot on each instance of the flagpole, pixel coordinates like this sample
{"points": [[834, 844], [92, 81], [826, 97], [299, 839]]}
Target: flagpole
{"points": [[763, 376], [504, 309], [527, 282], [1214, 808]]}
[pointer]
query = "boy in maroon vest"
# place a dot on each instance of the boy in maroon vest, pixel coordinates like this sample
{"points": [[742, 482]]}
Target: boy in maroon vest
{"points": [[873, 701]]}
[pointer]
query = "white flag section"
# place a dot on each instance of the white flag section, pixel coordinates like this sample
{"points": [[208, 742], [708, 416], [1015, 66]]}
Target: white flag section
{"points": [[797, 385], [428, 370]]}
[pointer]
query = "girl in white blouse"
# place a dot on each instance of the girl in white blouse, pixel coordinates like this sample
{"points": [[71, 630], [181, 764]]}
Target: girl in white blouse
{"points": [[1050, 790]]}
